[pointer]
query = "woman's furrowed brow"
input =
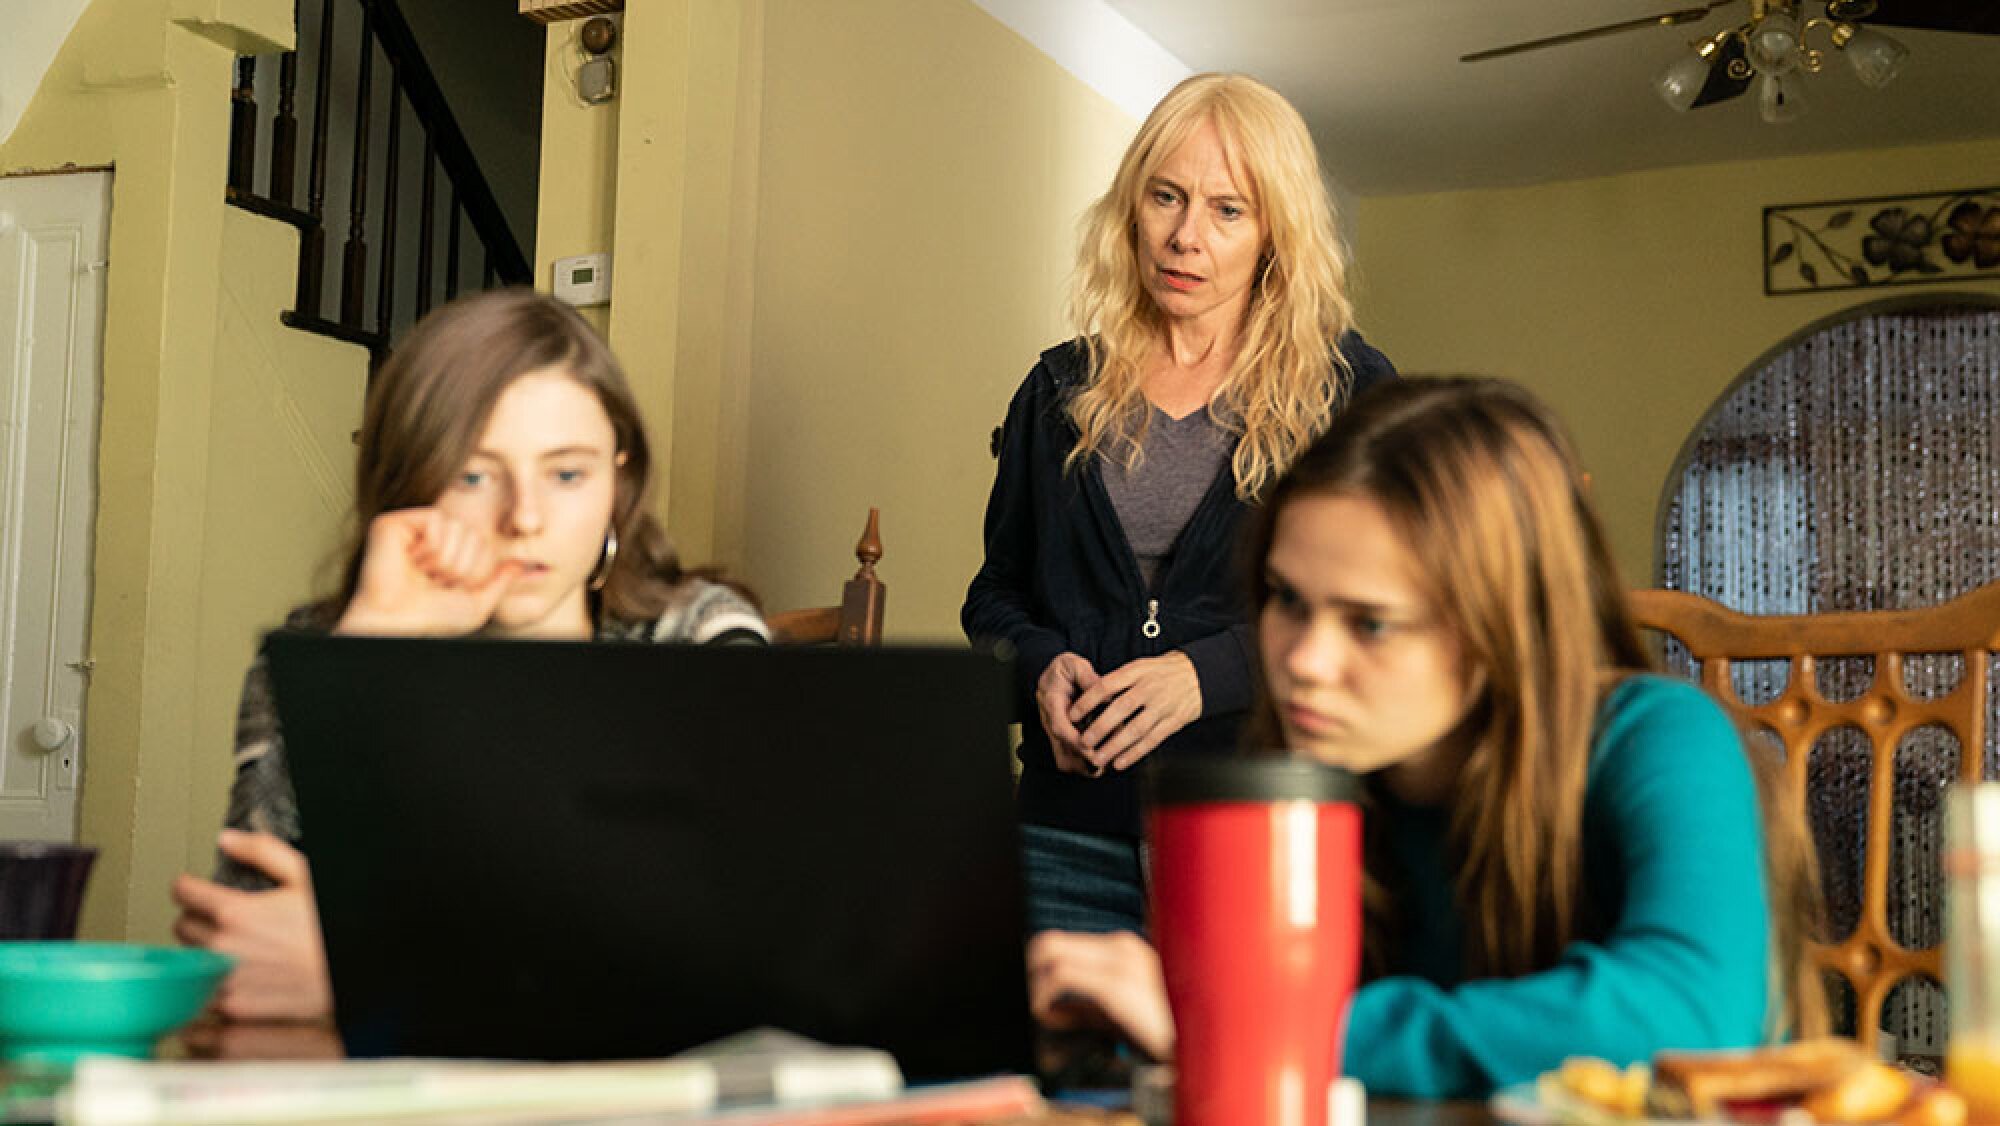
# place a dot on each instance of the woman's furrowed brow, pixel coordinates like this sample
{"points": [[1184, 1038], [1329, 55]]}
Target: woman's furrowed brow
{"points": [[1276, 580], [580, 450]]}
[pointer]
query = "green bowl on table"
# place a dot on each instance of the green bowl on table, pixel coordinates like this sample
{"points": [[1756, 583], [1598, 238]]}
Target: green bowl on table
{"points": [[63, 1000]]}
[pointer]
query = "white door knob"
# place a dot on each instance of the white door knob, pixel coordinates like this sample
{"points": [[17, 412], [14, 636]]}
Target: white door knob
{"points": [[52, 733]]}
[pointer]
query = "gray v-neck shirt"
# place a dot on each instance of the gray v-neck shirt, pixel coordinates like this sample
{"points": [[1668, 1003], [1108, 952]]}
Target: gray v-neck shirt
{"points": [[1155, 501]]}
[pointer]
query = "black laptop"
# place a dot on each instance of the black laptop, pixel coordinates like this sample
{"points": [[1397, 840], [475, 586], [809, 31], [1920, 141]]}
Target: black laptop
{"points": [[595, 851]]}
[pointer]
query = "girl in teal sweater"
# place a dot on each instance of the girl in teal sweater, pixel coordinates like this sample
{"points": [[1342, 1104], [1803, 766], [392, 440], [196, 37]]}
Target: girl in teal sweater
{"points": [[1566, 855]]}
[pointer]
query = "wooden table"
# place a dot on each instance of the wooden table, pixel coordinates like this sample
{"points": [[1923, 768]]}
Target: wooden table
{"points": [[1408, 1112], [232, 1040]]}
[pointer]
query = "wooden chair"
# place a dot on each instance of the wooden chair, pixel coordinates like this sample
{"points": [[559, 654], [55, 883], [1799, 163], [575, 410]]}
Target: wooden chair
{"points": [[1886, 711], [858, 618]]}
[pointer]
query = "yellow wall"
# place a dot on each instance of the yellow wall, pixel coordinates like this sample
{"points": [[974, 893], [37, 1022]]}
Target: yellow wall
{"points": [[578, 192], [841, 236], [916, 175], [195, 530], [1631, 302], [682, 135], [687, 149], [280, 484], [922, 174]]}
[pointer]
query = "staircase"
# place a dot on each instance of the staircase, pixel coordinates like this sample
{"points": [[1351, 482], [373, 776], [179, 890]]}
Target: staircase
{"points": [[383, 153]]}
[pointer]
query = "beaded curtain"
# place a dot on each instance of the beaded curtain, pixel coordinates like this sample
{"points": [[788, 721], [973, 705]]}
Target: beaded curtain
{"points": [[1858, 470]]}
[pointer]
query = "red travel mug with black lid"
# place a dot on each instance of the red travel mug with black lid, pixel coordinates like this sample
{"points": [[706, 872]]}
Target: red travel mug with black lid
{"points": [[1256, 903]]}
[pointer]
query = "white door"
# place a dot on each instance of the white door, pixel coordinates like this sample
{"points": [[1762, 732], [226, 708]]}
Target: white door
{"points": [[52, 271]]}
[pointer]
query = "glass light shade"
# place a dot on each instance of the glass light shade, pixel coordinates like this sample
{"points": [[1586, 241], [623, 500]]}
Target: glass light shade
{"points": [[1875, 57], [1680, 84], [1780, 97], [1774, 43]]}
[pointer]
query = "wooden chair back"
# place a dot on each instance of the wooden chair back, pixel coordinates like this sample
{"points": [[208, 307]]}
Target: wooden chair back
{"points": [[857, 619], [1869, 957]]}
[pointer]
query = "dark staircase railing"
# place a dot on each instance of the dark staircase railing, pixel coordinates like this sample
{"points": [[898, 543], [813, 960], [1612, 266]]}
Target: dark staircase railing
{"points": [[350, 148]]}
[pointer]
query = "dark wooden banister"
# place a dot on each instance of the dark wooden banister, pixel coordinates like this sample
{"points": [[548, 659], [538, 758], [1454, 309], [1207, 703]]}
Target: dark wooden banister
{"points": [[428, 102], [499, 257]]}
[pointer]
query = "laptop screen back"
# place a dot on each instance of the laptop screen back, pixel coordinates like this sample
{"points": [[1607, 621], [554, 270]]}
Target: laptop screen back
{"points": [[579, 851]]}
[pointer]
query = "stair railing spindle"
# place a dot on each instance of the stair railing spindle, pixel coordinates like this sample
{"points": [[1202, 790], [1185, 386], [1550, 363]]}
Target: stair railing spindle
{"points": [[285, 131], [243, 127], [354, 267], [426, 225], [385, 284], [312, 245], [451, 248]]}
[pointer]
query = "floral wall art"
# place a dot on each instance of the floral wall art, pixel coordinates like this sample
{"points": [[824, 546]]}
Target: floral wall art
{"points": [[1888, 240]]}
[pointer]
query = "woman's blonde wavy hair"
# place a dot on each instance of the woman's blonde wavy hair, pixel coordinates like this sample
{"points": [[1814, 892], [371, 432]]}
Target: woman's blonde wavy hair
{"points": [[1287, 376], [1483, 486]]}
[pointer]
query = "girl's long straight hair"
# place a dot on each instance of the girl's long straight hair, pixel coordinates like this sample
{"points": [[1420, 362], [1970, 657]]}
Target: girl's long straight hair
{"points": [[1484, 488]]}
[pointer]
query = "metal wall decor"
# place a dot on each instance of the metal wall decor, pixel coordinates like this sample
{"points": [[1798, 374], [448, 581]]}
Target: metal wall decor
{"points": [[1886, 240]]}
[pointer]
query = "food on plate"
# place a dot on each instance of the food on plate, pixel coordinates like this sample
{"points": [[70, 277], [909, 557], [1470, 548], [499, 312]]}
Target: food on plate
{"points": [[1831, 1081], [1604, 1085], [1935, 1105], [1873, 1092], [1700, 1084]]}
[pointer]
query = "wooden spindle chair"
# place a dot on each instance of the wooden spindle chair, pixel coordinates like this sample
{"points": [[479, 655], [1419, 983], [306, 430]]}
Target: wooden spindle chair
{"points": [[857, 620], [1886, 713]]}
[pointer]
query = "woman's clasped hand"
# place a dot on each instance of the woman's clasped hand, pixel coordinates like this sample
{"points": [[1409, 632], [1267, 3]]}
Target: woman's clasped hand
{"points": [[1110, 722]]}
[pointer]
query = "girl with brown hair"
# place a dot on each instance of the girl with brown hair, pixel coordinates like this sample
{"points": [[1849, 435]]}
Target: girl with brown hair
{"points": [[1566, 855], [501, 489]]}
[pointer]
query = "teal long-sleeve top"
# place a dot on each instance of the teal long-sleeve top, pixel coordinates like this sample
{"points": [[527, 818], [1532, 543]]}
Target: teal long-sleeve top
{"points": [[1675, 948]]}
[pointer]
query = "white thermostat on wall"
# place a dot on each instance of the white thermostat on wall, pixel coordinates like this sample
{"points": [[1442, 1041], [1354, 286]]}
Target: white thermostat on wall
{"points": [[583, 280]]}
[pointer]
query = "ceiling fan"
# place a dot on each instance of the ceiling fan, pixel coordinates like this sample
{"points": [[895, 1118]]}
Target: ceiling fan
{"points": [[1771, 51]]}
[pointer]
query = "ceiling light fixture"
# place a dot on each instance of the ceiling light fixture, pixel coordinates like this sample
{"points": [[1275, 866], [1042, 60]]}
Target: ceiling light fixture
{"points": [[1875, 57], [1773, 49], [1682, 82]]}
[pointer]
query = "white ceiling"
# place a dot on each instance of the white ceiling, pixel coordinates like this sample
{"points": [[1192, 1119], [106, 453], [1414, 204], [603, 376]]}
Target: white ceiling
{"points": [[1395, 112], [35, 33]]}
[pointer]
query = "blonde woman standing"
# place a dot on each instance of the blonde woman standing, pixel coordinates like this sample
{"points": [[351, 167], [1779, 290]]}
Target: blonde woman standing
{"points": [[1216, 344]]}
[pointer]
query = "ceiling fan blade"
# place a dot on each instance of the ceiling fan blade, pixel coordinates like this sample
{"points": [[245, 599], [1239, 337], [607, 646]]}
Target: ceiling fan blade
{"points": [[1976, 17], [1664, 19], [1720, 87]]}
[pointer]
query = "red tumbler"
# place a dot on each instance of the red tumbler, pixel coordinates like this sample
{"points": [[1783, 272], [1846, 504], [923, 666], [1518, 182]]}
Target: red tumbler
{"points": [[1256, 899]]}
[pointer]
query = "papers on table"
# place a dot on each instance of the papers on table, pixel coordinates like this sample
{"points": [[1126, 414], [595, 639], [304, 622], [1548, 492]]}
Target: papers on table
{"points": [[759, 1078]]}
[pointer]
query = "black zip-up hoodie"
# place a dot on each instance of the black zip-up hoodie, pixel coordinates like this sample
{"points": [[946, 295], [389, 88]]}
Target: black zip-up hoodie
{"points": [[1060, 577]]}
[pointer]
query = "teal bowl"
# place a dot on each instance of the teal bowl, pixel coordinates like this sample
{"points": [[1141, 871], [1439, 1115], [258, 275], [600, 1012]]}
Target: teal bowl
{"points": [[63, 1000]]}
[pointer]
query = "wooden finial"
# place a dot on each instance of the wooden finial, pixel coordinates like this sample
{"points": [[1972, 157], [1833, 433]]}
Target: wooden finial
{"points": [[869, 549]]}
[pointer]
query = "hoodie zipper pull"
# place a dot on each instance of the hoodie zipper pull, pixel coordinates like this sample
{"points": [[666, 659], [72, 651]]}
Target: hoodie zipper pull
{"points": [[1152, 627]]}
